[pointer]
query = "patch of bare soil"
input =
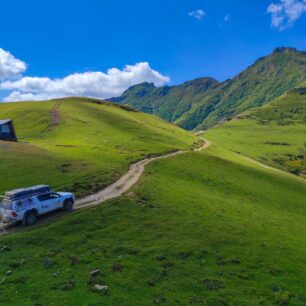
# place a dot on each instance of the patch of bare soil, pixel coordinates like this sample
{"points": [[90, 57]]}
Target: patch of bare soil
{"points": [[55, 116]]}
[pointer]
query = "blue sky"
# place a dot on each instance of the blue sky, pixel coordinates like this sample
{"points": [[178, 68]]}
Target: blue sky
{"points": [[58, 38]]}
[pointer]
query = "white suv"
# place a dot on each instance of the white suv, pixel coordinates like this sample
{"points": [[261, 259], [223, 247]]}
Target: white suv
{"points": [[27, 204]]}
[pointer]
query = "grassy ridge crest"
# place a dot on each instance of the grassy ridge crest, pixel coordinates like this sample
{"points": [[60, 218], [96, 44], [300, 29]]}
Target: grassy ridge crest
{"points": [[80, 144]]}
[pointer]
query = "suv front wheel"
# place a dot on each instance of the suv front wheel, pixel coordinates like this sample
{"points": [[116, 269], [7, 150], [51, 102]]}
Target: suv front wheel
{"points": [[29, 218], [68, 205]]}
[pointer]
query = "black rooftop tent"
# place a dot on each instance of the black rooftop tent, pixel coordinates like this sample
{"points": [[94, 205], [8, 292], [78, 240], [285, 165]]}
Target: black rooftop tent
{"points": [[27, 192], [7, 130]]}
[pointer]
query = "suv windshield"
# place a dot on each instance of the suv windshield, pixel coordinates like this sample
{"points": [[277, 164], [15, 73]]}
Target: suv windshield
{"points": [[6, 204]]}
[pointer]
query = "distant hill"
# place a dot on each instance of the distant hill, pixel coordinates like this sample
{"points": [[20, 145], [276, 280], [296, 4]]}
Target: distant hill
{"points": [[273, 134], [168, 102], [204, 102]]}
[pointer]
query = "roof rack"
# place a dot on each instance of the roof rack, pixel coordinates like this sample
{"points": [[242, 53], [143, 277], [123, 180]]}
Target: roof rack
{"points": [[27, 192]]}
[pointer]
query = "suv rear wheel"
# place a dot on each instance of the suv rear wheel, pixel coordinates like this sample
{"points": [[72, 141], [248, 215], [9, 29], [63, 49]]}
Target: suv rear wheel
{"points": [[29, 218], [68, 205]]}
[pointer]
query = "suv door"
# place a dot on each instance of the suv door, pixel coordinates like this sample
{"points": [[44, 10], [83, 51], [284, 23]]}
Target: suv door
{"points": [[49, 201], [55, 201]]}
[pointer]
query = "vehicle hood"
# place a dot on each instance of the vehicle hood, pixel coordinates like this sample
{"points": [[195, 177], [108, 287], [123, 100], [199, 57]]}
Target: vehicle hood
{"points": [[64, 194]]}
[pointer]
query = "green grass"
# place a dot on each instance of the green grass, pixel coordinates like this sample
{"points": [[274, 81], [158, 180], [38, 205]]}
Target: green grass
{"points": [[200, 229], [273, 134], [91, 145]]}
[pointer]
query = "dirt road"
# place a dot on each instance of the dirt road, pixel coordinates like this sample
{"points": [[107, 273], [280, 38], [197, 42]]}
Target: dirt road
{"points": [[115, 190], [128, 180]]}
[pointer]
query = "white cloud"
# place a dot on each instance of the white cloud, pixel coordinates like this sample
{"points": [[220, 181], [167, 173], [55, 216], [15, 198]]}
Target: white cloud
{"points": [[198, 14], [227, 18], [285, 12], [93, 84], [10, 67]]}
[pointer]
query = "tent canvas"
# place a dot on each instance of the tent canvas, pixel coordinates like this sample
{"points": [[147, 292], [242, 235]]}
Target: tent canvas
{"points": [[27, 192], [7, 130]]}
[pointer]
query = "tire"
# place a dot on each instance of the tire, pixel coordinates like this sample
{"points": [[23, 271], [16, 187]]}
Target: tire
{"points": [[68, 205], [29, 218]]}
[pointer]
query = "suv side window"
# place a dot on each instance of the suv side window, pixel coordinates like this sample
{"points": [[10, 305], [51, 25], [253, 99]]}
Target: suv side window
{"points": [[19, 205], [44, 197], [48, 196]]}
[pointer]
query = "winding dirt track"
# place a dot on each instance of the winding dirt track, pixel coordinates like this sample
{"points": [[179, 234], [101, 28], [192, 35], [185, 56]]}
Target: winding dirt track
{"points": [[128, 180], [115, 190]]}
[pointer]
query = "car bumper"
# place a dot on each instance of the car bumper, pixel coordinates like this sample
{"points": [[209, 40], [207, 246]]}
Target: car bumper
{"points": [[7, 219]]}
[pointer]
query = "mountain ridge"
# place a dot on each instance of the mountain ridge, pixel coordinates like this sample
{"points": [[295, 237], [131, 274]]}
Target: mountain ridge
{"points": [[148, 98], [205, 102]]}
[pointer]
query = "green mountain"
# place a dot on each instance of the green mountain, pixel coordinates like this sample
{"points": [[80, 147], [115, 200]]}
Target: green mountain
{"points": [[264, 81], [202, 103], [168, 102]]}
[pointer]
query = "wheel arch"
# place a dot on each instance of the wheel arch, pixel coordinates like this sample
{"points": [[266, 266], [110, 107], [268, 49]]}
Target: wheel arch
{"points": [[35, 211], [70, 199]]}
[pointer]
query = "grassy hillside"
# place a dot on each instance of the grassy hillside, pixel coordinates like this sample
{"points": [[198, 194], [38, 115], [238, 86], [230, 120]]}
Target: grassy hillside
{"points": [[201, 229], [273, 134], [168, 102], [202, 103], [80, 144]]}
